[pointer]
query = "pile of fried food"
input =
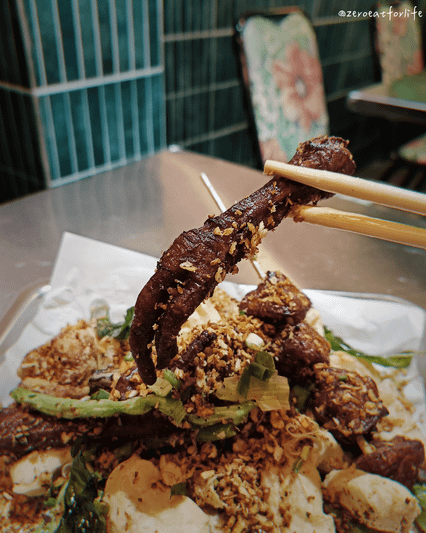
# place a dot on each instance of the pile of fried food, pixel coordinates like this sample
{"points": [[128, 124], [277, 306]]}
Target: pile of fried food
{"points": [[207, 414]]}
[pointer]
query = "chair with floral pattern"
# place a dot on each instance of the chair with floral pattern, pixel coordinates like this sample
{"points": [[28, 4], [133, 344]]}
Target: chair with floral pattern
{"points": [[283, 81], [398, 51]]}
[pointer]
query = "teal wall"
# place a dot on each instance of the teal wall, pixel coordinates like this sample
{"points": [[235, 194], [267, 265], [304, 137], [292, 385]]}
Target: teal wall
{"points": [[88, 85], [81, 89]]}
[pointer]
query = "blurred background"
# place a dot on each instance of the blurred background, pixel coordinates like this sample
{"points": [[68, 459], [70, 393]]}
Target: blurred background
{"points": [[90, 85]]}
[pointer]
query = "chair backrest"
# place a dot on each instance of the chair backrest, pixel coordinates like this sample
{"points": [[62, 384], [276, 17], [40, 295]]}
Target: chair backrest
{"points": [[282, 76], [398, 41]]}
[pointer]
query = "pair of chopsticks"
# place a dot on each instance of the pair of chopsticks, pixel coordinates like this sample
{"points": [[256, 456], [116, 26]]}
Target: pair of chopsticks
{"points": [[378, 193]]}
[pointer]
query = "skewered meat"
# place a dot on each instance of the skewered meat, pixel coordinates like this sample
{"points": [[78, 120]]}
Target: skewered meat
{"points": [[276, 300], [199, 259], [346, 403]]}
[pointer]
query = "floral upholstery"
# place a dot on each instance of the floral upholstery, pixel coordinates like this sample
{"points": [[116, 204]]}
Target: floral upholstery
{"points": [[284, 77], [399, 43], [399, 47]]}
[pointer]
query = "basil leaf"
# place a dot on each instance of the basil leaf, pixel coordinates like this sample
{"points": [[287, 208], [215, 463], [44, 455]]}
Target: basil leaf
{"points": [[119, 331], [401, 360], [83, 511]]}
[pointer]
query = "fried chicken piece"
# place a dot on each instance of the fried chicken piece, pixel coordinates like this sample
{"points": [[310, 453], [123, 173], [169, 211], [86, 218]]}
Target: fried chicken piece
{"points": [[276, 300], [199, 259], [297, 349], [398, 459], [346, 403]]}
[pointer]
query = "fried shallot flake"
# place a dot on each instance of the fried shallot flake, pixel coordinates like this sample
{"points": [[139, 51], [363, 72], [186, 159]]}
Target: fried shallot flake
{"points": [[232, 482], [62, 367]]}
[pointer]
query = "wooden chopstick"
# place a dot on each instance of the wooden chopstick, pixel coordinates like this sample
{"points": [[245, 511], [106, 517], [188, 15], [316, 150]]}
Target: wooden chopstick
{"points": [[379, 193], [364, 225]]}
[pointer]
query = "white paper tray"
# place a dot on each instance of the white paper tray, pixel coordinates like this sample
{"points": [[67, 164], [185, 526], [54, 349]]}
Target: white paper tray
{"points": [[87, 272]]}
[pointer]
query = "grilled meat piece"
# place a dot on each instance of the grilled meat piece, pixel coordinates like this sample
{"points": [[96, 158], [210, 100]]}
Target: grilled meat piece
{"points": [[276, 300], [23, 431], [297, 349], [199, 344], [398, 459], [199, 259], [346, 403]]}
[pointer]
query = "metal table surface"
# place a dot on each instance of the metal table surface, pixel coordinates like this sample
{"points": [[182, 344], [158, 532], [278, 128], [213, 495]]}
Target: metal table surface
{"points": [[145, 205], [375, 100]]}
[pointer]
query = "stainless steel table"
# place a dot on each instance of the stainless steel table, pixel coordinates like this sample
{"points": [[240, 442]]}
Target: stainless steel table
{"points": [[377, 101], [143, 206]]}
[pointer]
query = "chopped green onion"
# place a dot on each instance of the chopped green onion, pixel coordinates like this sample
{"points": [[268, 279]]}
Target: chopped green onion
{"points": [[265, 360], [259, 371], [269, 395], [172, 379], [305, 452], [297, 465], [262, 368], [302, 395], [419, 491], [244, 382], [101, 394], [218, 432], [161, 387], [178, 489]]}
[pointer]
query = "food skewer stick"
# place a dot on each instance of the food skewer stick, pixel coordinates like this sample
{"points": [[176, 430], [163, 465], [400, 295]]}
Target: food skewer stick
{"points": [[222, 208], [379, 193]]}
